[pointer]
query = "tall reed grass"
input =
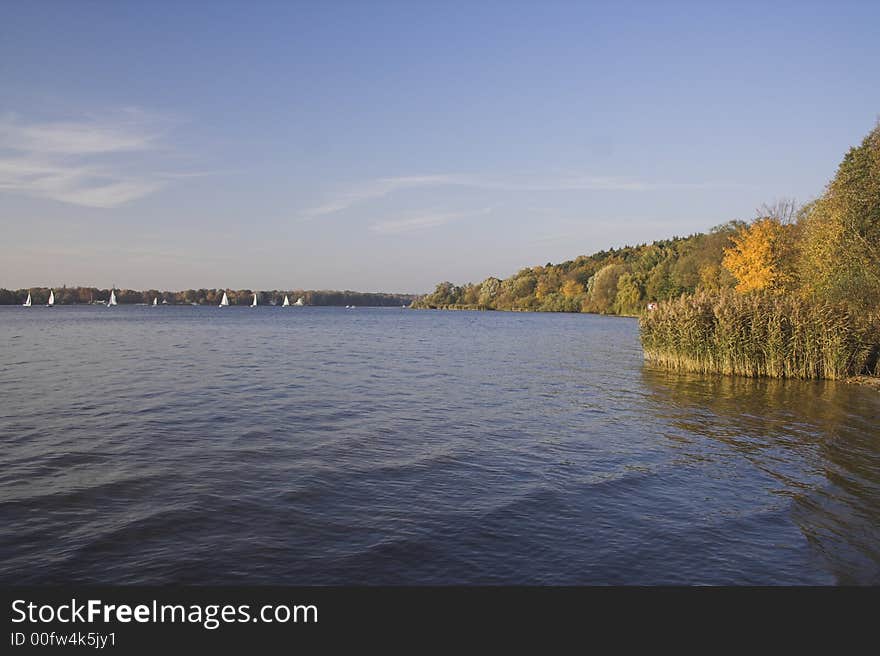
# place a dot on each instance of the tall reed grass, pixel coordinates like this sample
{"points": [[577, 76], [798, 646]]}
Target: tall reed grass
{"points": [[761, 334]]}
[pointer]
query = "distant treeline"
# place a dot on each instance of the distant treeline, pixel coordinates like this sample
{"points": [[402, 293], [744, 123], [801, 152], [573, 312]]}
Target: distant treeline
{"points": [[614, 281], [793, 293], [828, 248], [78, 295]]}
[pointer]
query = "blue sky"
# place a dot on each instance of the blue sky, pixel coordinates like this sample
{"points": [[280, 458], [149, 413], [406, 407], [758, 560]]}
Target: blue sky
{"points": [[390, 145]]}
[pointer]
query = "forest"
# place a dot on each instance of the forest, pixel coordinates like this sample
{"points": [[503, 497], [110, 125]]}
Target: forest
{"points": [[83, 295], [827, 248], [794, 292], [614, 281]]}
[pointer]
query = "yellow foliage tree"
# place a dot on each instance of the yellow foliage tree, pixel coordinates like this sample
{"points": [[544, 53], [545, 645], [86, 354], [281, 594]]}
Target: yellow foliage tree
{"points": [[572, 289], [758, 256], [548, 282]]}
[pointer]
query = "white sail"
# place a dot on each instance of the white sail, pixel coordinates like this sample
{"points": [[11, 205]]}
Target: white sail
{"points": [[299, 301], [225, 300], [155, 301], [254, 304], [112, 300], [27, 303], [286, 302], [51, 298]]}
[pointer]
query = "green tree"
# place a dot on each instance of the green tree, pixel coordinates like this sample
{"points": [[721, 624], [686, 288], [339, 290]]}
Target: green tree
{"points": [[629, 296], [840, 249]]}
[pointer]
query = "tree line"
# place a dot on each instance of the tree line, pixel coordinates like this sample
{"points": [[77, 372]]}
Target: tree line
{"points": [[613, 281], [826, 250], [83, 295]]}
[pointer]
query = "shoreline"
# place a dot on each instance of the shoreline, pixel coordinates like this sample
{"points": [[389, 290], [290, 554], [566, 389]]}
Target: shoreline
{"points": [[475, 308], [865, 381]]}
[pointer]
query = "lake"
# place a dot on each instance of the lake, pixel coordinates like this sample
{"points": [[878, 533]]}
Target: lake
{"points": [[393, 446]]}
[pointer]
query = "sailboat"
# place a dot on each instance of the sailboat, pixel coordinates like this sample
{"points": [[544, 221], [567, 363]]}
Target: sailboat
{"points": [[51, 299], [286, 302], [155, 302], [112, 300], [224, 302], [27, 303], [254, 304], [299, 302]]}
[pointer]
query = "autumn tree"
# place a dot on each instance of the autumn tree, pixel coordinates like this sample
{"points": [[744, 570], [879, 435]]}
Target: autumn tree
{"points": [[572, 289], [548, 281], [489, 289], [760, 257], [445, 294], [603, 288], [470, 294]]}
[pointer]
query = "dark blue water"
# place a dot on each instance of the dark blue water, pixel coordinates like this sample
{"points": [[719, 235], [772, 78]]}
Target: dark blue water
{"points": [[319, 445]]}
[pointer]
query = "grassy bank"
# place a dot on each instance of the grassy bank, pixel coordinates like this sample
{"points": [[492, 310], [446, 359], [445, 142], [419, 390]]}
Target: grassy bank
{"points": [[761, 334]]}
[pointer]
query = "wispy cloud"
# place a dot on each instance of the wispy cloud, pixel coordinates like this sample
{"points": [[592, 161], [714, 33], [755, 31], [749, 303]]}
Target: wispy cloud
{"points": [[420, 222], [382, 187], [371, 190], [80, 162], [588, 183], [539, 183], [71, 138]]}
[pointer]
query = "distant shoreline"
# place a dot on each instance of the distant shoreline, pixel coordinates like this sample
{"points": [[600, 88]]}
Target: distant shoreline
{"points": [[95, 295], [483, 308]]}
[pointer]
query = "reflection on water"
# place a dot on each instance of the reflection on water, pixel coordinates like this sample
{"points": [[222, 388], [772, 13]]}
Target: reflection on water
{"points": [[819, 440]]}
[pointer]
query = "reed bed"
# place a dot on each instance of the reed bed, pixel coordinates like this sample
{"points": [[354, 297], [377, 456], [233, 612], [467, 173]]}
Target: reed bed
{"points": [[761, 334]]}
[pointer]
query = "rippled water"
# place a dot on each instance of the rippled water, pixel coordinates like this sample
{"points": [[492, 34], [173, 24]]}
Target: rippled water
{"points": [[319, 445]]}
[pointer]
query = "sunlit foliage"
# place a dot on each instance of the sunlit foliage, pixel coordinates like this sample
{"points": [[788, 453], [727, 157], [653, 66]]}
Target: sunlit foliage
{"points": [[760, 256]]}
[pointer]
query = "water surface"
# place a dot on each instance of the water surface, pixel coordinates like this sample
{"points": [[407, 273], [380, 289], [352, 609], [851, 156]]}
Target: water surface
{"points": [[328, 446]]}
